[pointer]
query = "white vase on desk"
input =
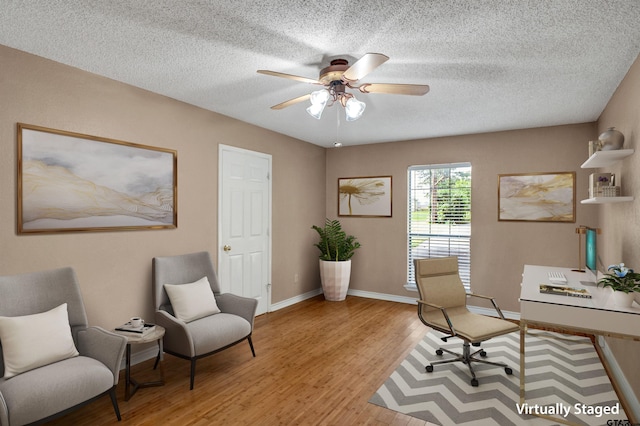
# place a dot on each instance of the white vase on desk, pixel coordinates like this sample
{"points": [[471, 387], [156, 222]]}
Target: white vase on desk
{"points": [[622, 299], [637, 297]]}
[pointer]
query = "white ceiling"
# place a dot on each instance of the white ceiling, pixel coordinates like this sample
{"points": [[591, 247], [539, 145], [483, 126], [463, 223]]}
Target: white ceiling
{"points": [[492, 65]]}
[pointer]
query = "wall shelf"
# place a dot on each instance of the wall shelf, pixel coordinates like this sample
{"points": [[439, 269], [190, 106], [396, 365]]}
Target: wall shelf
{"points": [[606, 158], [606, 200]]}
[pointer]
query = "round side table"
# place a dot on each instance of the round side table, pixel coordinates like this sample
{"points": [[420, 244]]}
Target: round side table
{"points": [[131, 385]]}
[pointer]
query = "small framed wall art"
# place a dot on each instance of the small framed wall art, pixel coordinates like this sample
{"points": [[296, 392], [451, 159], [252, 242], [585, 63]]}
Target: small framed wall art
{"points": [[364, 196], [537, 197], [70, 182]]}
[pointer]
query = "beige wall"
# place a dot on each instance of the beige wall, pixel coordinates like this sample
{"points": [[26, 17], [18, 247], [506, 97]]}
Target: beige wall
{"points": [[498, 249], [114, 268], [620, 238]]}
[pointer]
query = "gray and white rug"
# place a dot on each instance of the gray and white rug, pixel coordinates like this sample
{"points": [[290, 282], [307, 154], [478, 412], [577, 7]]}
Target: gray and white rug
{"points": [[564, 377]]}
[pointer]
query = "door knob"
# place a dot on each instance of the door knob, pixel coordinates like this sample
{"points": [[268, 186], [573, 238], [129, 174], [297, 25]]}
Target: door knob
{"points": [[226, 248]]}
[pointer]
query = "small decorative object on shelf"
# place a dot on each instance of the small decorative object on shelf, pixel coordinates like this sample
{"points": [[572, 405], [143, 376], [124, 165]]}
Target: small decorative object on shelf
{"points": [[611, 139], [610, 191], [598, 181], [594, 146]]}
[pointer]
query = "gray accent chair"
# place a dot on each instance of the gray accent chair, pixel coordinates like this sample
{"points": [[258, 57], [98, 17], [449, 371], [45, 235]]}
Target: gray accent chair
{"points": [[443, 307], [51, 391], [205, 336]]}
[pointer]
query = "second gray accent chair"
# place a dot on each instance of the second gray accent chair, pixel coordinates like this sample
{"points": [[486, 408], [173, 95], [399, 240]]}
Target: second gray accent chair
{"points": [[204, 336]]}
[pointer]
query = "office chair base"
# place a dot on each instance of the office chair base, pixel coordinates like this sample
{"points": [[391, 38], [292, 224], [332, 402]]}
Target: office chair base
{"points": [[467, 358]]}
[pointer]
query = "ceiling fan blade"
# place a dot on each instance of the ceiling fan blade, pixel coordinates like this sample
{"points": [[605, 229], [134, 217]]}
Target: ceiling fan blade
{"points": [[292, 101], [289, 76], [395, 89], [364, 66]]}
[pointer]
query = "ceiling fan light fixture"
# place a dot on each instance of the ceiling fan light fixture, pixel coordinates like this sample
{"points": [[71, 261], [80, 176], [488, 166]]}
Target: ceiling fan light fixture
{"points": [[339, 76], [354, 109], [318, 100], [316, 110], [319, 97]]}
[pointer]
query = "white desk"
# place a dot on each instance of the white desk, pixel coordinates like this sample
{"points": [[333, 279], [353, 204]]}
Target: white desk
{"points": [[598, 315]]}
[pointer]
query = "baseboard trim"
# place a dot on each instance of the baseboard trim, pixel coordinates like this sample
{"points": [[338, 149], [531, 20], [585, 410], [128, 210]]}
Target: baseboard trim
{"points": [[140, 356], [294, 300], [412, 301], [382, 296], [632, 401]]}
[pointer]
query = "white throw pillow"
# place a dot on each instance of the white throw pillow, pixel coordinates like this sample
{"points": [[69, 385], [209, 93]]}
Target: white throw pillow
{"points": [[193, 300], [32, 341]]}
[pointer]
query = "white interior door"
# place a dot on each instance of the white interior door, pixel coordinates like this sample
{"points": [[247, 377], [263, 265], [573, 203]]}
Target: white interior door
{"points": [[244, 212]]}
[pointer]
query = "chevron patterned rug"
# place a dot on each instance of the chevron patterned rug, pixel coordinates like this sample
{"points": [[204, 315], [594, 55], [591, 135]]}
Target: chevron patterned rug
{"points": [[564, 377]]}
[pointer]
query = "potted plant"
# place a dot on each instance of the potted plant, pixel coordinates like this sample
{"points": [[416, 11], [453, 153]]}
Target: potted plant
{"points": [[624, 282], [336, 249]]}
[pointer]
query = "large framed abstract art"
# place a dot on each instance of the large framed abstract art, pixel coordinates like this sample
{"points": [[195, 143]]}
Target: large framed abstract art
{"points": [[71, 182], [537, 197]]}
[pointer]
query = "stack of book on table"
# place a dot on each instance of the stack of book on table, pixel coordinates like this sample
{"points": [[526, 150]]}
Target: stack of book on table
{"points": [[142, 330], [565, 291]]}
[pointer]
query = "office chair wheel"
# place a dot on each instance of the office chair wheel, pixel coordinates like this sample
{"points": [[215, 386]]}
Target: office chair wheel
{"points": [[474, 382], [439, 352], [508, 371], [483, 354], [429, 368]]}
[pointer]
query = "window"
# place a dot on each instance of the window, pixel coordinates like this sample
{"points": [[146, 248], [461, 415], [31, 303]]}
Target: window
{"points": [[439, 222]]}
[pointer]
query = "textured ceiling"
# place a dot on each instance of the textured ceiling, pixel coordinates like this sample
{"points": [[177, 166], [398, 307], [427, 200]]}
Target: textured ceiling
{"points": [[491, 65]]}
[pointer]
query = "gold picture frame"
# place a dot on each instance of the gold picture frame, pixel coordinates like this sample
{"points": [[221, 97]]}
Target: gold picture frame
{"points": [[537, 197], [72, 182], [365, 196]]}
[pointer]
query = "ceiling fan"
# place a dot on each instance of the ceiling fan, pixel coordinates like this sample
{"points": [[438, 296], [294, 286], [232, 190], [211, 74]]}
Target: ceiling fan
{"points": [[339, 76]]}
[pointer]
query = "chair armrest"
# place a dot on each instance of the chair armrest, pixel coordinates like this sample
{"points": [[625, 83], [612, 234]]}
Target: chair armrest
{"points": [[431, 305], [244, 307], [441, 309], [103, 345], [493, 302], [4, 411], [176, 337]]}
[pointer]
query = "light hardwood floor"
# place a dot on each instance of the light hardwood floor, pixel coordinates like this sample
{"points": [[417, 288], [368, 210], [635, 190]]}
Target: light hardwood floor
{"points": [[317, 363]]}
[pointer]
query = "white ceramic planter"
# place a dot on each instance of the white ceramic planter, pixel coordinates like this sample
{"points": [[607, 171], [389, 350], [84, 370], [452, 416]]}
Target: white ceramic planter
{"points": [[335, 278], [622, 299], [637, 297]]}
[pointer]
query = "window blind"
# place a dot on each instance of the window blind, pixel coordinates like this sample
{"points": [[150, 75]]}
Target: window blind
{"points": [[439, 216]]}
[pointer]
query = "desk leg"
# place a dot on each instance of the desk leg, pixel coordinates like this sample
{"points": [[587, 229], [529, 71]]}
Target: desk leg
{"points": [[127, 374], [523, 332]]}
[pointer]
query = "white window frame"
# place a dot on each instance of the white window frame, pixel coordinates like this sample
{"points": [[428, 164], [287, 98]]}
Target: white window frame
{"points": [[450, 239]]}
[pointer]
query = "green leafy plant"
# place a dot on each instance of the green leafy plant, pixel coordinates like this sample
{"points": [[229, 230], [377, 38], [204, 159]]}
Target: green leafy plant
{"points": [[334, 243], [621, 278]]}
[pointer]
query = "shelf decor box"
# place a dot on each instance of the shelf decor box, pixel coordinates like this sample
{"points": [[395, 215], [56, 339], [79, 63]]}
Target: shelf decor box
{"points": [[610, 191], [598, 181]]}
